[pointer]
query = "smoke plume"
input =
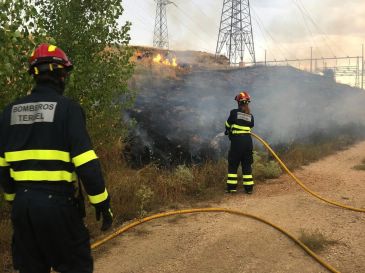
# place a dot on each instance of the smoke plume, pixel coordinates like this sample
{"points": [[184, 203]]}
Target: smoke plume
{"points": [[182, 119]]}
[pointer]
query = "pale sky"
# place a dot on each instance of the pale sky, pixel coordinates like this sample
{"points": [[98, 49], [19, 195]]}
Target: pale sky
{"points": [[282, 27]]}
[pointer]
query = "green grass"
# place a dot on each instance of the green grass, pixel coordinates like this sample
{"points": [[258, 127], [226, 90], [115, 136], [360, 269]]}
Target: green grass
{"points": [[316, 240], [264, 168]]}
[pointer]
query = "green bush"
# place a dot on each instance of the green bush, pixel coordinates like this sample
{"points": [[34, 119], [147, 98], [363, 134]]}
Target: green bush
{"points": [[145, 196], [263, 168]]}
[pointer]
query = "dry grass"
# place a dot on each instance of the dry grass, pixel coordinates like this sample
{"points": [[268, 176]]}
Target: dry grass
{"points": [[316, 240], [360, 167], [136, 193], [299, 154], [176, 219], [139, 232], [5, 241]]}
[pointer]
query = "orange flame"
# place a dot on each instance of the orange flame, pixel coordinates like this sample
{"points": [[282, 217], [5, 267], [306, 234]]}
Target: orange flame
{"points": [[174, 63], [159, 59]]}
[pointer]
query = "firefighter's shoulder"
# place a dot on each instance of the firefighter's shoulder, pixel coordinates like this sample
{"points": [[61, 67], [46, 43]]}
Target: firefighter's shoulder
{"points": [[74, 107], [6, 112]]}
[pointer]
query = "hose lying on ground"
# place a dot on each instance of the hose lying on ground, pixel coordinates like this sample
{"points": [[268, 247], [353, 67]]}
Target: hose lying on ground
{"points": [[188, 211], [297, 180], [300, 183]]}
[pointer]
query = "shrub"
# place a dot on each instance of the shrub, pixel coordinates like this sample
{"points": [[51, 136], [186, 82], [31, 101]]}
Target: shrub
{"points": [[315, 240], [144, 195], [360, 167], [263, 168]]}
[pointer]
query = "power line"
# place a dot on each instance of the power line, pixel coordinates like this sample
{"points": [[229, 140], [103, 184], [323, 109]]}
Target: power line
{"points": [[307, 14], [202, 11], [261, 25], [325, 36], [197, 35], [304, 16], [187, 15], [262, 32]]}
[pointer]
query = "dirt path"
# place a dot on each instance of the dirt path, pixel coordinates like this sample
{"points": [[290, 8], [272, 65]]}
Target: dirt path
{"points": [[217, 242]]}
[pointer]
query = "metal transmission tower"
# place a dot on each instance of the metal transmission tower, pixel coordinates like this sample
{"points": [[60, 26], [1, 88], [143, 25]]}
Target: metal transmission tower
{"points": [[161, 34], [236, 31]]}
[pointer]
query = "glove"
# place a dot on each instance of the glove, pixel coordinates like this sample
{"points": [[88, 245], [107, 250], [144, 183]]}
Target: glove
{"points": [[103, 209], [226, 132]]}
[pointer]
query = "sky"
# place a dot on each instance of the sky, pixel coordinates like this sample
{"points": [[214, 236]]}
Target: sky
{"points": [[284, 28]]}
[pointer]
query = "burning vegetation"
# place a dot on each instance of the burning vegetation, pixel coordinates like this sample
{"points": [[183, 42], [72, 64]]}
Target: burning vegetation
{"points": [[159, 59], [180, 115]]}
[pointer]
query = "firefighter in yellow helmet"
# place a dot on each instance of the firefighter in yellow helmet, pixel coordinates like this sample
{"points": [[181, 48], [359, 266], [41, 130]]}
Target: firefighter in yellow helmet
{"points": [[44, 147], [238, 127]]}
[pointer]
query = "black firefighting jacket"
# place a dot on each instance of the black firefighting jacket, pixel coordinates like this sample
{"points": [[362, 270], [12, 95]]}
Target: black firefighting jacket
{"points": [[239, 123], [43, 140]]}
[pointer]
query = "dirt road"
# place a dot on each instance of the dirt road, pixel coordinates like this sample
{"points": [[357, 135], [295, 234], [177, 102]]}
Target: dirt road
{"points": [[218, 242]]}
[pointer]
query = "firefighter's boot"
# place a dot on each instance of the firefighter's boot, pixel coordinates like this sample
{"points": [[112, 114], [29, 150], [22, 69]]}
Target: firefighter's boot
{"points": [[248, 189]]}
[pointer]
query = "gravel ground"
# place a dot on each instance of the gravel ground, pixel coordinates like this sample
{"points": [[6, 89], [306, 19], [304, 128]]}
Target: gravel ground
{"points": [[219, 242]]}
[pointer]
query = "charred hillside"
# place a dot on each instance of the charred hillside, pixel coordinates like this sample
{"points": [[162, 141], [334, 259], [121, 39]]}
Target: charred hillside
{"points": [[180, 117]]}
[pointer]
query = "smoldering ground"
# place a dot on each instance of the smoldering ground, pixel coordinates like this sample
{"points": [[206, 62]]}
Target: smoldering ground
{"points": [[181, 120]]}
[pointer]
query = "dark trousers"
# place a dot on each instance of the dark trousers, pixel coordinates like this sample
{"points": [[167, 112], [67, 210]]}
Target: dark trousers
{"points": [[49, 233], [240, 153]]}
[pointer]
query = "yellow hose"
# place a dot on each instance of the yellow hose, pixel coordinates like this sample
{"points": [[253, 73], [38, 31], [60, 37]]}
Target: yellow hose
{"points": [[188, 211], [297, 180], [300, 183]]}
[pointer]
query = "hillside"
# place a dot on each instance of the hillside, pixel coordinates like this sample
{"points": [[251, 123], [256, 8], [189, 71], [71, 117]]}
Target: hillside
{"points": [[180, 112]]}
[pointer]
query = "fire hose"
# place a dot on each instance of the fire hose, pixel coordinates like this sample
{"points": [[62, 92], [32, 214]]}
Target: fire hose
{"points": [[189, 211], [300, 183]]}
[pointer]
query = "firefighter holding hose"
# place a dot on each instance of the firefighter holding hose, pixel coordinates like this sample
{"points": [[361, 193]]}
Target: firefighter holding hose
{"points": [[238, 128], [44, 148]]}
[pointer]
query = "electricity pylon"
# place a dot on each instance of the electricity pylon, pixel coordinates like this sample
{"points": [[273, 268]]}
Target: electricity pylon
{"points": [[161, 34], [236, 31]]}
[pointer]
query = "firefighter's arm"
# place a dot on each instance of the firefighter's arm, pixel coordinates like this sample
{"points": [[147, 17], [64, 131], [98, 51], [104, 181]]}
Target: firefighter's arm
{"points": [[87, 164], [6, 182], [252, 122], [229, 123]]}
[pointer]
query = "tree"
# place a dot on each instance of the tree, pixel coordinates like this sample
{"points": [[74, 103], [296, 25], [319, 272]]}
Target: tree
{"points": [[16, 42], [89, 33]]}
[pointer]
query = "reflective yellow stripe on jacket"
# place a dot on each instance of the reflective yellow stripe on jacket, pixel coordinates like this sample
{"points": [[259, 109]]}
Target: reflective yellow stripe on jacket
{"points": [[9, 197], [95, 199], [45, 175], [237, 129], [52, 176], [37, 155], [3, 162], [84, 158], [47, 155]]}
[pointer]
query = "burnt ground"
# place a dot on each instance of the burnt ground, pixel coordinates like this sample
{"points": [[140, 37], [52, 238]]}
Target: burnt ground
{"points": [[178, 116], [217, 243]]}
